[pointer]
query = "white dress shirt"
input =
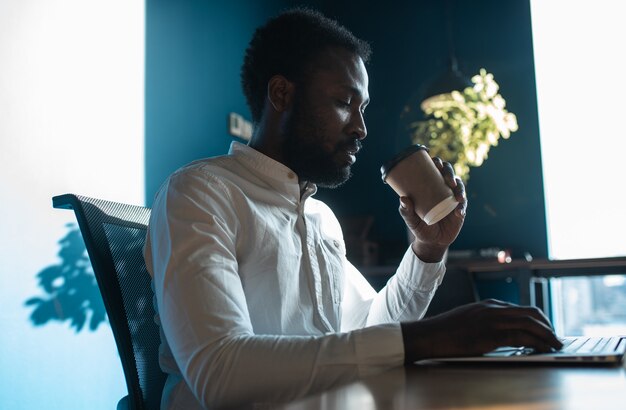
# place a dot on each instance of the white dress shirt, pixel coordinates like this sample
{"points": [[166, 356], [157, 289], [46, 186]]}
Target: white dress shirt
{"points": [[256, 298]]}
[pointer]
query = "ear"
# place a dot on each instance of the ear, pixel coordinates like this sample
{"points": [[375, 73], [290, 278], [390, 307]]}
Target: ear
{"points": [[280, 92]]}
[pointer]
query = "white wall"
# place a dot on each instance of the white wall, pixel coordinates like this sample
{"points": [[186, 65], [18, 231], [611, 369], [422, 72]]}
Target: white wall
{"points": [[71, 120]]}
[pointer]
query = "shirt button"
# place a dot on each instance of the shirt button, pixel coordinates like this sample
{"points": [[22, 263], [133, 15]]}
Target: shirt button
{"points": [[336, 243], [291, 175]]}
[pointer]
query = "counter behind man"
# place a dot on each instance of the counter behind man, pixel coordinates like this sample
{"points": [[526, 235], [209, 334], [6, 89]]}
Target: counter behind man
{"points": [[256, 299]]}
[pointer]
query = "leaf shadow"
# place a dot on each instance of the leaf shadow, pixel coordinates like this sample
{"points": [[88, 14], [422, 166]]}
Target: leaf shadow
{"points": [[70, 289]]}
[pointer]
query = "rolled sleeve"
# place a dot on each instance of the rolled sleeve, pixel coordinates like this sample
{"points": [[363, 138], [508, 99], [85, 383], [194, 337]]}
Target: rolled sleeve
{"points": [[381, 347], [408, 293]]}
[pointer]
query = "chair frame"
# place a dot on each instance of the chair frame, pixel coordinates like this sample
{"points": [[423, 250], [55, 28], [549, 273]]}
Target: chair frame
{"points": [[104, 270]]}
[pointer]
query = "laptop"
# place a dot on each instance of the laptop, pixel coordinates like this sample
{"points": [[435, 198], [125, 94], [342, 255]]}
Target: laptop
{"points": [[579, 349]]}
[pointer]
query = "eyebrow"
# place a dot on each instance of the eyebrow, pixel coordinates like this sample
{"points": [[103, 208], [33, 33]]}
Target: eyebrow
{"points": [[356, 91]]}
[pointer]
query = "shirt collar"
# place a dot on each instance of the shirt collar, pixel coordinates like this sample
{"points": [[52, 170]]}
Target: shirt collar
{"points": [[259, 162]]}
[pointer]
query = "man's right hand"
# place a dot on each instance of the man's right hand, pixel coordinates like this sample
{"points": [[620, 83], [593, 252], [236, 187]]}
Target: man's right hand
{"points": [[478, 328]]}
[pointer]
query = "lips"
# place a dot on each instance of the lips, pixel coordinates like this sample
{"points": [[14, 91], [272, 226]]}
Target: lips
{"points": [[354, 147], [350, 158], [351, 152]]}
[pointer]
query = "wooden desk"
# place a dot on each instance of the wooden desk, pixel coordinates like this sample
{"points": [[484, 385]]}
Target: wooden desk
{"points": [[494, 387]]}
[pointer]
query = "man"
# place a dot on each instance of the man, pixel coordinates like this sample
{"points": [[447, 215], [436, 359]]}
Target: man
{"points": [[256, 298]]}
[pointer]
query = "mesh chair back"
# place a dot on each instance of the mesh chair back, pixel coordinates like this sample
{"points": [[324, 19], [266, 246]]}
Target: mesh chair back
{"points": [[114, 236]]}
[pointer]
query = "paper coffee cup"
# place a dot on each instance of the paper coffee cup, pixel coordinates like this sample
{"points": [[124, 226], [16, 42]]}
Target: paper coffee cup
{"points": [[413, 173]]}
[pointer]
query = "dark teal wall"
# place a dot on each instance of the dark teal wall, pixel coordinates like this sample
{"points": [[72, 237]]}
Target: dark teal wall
{"points": [[194, 51], [195, 48]]}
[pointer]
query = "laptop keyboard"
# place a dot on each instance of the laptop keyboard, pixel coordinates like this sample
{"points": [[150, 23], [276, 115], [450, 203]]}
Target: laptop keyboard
{"points": [[571, 346], [589, 344]]}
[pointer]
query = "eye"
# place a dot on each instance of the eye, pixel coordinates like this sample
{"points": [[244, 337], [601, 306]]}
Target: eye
{"points": [[343, 103]]}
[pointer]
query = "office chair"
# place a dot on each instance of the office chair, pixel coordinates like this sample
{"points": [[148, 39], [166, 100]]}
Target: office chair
{"points": [[114, 236]]}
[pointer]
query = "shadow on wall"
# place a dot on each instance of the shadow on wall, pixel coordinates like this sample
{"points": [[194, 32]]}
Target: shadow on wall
{"points": [[71, 289]]}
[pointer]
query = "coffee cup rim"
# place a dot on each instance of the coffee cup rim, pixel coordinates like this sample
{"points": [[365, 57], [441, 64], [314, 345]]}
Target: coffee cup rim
{"points": [[386, 168]]}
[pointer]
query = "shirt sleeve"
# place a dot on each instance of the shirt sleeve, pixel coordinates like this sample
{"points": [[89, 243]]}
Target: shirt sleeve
{"points": [[204, 316], [405, 297]]}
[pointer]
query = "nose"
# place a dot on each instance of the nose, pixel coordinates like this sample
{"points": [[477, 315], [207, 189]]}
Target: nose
{"points": [[358, 128]]}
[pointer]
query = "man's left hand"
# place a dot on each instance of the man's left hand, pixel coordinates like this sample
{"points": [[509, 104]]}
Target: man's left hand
{"points": [[431, 241]]}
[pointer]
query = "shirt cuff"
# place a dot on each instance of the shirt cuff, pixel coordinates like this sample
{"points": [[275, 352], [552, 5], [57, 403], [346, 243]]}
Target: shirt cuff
{"points": [[378, 348], [418, 275]]}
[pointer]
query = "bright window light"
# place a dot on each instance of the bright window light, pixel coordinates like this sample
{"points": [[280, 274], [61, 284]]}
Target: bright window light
{"points": [[589, 305], [71, 120], [581, 83]]}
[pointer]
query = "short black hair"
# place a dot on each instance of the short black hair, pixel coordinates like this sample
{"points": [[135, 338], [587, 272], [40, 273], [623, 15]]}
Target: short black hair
{"points": [[285, 45]]}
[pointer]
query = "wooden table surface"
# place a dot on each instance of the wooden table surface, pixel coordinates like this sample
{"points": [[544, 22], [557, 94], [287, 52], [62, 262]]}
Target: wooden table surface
{"points": [[479, 386]]}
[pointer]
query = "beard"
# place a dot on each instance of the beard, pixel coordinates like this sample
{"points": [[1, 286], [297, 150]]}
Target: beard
{"points": [[305, 151]]}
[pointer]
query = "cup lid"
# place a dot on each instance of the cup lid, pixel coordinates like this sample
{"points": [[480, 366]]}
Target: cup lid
{"points": [[387, 166], [441, 210]]}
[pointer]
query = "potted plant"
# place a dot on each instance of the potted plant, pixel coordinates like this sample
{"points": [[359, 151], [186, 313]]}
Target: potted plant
{"points": [[461, 126]]}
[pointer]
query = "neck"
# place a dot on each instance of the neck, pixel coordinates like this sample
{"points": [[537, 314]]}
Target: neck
{"points": [[268, 140]]}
